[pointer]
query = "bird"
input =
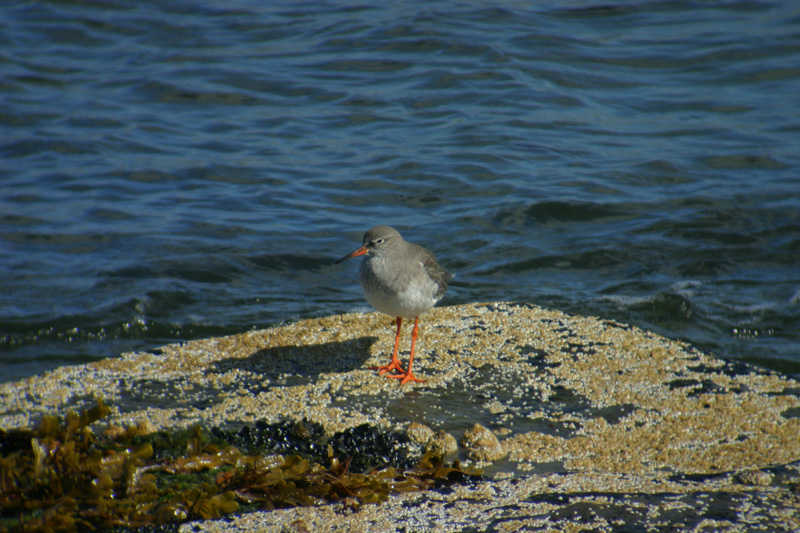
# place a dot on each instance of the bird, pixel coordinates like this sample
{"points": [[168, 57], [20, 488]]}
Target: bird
{"points": [[400, 279]]}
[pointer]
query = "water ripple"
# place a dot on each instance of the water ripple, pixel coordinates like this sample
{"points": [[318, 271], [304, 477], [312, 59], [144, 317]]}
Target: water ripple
{"points": [[174, 171]]}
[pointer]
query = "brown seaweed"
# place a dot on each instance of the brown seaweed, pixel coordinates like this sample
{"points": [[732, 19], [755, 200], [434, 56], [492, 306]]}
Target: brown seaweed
{"points": [[61, 476]]}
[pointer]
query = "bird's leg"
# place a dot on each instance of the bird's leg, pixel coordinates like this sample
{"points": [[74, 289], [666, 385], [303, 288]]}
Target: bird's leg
{"points": [[395, 362], [409, 376]]}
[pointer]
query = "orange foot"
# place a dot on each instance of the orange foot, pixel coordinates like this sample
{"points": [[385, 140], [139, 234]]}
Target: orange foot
{"points": [[394, 365], [406, 377]]}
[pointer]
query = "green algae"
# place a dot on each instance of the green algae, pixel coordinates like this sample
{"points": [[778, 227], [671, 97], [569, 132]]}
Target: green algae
{"points": [[62, 476]]}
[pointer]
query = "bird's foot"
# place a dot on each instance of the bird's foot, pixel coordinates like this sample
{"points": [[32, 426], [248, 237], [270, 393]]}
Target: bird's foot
{"points": [[394, 365], [406, 377]]}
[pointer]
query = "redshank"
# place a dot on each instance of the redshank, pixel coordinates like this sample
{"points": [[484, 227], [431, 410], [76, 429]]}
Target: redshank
{"points": [[400, 279]]}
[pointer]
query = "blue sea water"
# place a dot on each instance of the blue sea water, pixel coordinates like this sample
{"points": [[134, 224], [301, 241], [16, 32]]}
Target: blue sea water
{"points": [[173, 170]]}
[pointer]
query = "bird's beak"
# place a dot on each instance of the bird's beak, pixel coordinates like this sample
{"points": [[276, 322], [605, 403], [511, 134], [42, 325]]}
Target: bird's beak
{"points": [[355, 253]]}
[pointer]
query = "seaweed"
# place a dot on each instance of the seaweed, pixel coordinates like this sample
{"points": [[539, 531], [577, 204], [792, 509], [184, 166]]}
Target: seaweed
{"points": [[367, 447], [62, 476]]}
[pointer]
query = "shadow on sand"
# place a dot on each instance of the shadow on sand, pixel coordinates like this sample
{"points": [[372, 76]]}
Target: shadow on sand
{"points": [[306, 361]]}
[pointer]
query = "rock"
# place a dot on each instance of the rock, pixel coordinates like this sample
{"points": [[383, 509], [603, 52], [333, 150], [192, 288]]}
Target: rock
{"points": [[443, 443], [482, 444], [617, 426], [756, 478], [440, 443], [419, 433]]}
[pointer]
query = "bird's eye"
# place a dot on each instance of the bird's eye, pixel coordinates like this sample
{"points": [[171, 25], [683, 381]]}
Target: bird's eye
{"points": [[378, 241]]}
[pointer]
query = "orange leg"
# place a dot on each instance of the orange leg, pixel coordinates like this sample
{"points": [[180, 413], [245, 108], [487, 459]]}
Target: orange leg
{"points": [[409, 376], [395, 362]]}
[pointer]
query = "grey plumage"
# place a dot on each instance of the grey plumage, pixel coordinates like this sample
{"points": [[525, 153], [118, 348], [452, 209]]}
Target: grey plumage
{"points": [[400, 279]]}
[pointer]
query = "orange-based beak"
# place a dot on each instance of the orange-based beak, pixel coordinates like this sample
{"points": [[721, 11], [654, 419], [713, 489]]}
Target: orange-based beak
{"points": [[354, 253]]}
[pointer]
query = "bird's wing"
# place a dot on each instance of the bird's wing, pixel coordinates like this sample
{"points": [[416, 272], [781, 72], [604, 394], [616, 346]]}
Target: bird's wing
{"points": [[437, 273]]}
